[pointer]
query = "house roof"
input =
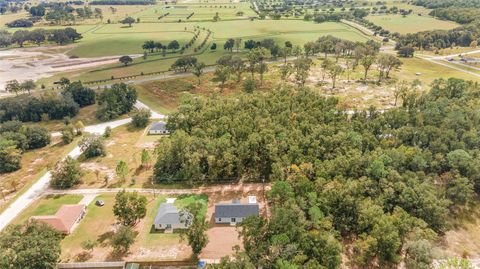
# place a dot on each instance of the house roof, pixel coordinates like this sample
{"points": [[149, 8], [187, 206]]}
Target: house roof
{"points": [[235, 210], [169, 214], [64, 219], [159, 126]]}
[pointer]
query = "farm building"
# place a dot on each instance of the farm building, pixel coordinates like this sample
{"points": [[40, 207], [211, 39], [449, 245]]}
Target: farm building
{"points": [[66, 218], [158, 128], [235, 212], [169, 217]]}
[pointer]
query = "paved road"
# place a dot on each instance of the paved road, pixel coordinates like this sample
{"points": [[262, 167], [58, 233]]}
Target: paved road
{"points": [[41, 186]]}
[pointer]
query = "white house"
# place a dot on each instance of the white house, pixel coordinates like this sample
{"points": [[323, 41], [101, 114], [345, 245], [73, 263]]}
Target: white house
{"points": [[158, 128], [235, 212]]}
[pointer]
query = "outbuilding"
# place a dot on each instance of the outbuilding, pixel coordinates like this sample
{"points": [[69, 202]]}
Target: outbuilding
{"points": [[158, 128]]}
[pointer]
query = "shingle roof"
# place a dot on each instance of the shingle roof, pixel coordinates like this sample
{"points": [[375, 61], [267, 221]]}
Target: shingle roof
{"points": [[169, 214], [159, 126], [236, 210], [64, 219]]}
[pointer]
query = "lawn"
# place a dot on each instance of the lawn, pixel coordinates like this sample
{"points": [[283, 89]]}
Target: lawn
{"points": [[48, 205], [411, 23], [148, 245]]}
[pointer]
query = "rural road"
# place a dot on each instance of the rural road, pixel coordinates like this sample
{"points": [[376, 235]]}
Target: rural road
{"points": [[208, 189], [42, 184]]}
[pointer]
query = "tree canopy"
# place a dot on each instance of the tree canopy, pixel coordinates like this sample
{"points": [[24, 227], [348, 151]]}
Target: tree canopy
{"points": [[377, 177]]}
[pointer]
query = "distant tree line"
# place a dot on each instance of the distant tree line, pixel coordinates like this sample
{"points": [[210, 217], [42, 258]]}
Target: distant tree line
{"points": [[20, 23], [439, 39], [32, 108], [447, 3], [123, 2], [57, 13], [39, 36], [460, 15]]}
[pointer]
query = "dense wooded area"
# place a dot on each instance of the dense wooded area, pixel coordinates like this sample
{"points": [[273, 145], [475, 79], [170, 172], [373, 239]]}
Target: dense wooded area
{"points": [[383, 180], [438, 39]]}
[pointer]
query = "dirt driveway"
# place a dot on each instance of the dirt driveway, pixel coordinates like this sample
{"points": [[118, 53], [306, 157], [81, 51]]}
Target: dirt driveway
{"points": [[223, 237]]}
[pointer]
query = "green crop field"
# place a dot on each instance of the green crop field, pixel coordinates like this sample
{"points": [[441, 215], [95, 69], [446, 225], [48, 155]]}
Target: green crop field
{"points": [[411, 23]]}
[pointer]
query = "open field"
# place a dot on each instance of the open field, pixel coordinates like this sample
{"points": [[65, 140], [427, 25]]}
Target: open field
{"points": [[124, 144], [110, 40], [201, 12], [411, 23]]}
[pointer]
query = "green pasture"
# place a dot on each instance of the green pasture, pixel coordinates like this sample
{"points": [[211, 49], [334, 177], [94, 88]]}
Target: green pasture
{"points": [[202, 12], [411, 23], [281, 30], [116, 39]]}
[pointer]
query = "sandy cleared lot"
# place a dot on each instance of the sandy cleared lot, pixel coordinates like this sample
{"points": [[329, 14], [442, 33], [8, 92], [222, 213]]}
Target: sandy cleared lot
{"points": [[41, 62], [223, 237]]}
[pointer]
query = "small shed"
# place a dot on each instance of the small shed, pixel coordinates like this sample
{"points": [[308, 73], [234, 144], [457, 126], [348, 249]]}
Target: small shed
{"points": [[159, 128]]}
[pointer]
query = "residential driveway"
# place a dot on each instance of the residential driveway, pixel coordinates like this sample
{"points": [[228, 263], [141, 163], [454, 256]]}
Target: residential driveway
{"points": [[87, 199]]}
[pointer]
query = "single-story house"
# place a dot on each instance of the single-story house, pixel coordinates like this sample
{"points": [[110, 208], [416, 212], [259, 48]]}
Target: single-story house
{"points": [[235, 212], [66, 218], [169, 217], [159, 128]]}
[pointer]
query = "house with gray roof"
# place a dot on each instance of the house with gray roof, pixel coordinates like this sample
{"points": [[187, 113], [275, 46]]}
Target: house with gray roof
{"points": [[235, 212], [169, 217], [159, 128]]}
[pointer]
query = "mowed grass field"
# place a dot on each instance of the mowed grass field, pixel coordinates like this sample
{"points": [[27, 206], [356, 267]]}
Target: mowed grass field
{"points": [[201, 11], [117, 39], [411, 23]]}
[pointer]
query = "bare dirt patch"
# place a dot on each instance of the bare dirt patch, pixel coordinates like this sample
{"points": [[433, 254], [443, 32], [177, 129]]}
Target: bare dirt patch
{"points": [[223, 237]]}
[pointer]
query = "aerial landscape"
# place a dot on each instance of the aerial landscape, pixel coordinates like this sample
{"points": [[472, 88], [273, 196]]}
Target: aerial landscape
{"points": [[240, 134]]}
